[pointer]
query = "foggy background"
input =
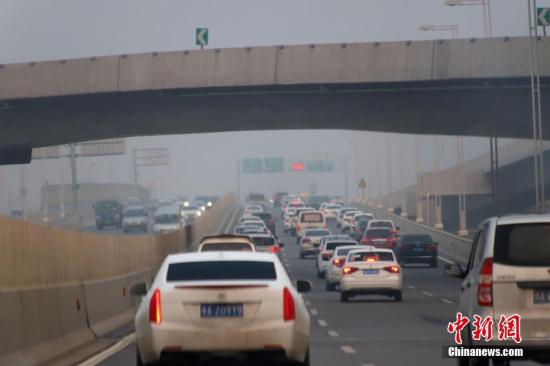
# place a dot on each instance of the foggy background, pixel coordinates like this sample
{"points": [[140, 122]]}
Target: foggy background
{"points": [[35, 30]]}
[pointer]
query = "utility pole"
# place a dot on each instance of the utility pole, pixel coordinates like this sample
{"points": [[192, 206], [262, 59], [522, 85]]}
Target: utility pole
{"points": [[74, 179], [419, 186], [238, 181], [437, 170], [346, 179], [462, 224], [389, 174], [23, 190], [61, 190], [402, 175]]}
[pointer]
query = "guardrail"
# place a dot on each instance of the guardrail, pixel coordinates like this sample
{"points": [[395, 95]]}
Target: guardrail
{"points": [[62, 289], [450, 246]]}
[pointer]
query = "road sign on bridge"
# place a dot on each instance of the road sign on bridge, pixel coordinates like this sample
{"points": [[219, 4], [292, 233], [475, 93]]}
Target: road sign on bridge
{"points": [[543, 17], [362, 183], [201, 37]]}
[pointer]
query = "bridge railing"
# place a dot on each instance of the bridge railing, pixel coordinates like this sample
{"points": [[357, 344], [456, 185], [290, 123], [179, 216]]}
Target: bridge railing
{"points": [[62, 289]]}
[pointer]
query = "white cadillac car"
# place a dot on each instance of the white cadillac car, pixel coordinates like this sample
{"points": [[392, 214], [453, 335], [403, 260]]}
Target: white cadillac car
{"points": [[222, 304]]}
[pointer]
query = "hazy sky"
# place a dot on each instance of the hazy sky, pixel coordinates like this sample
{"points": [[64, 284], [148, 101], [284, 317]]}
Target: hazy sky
{"points": [[33, 30]]}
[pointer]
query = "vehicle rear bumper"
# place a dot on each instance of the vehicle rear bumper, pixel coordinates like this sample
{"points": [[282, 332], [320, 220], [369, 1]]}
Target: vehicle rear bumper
{"points": [[334, 276], [417, 258], [374, 285], [177, 338]]}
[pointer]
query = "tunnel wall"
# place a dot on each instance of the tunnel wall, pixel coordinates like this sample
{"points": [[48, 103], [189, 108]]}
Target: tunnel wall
{"points": [[62, 289]]}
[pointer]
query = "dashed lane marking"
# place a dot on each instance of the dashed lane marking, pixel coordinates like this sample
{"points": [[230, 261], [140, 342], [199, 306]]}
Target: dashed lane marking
{"points": [[447, 301], [348, 349], [445, 260], [313, 311], [427, 293], [322, 323], [411, 287], [333, 333]]}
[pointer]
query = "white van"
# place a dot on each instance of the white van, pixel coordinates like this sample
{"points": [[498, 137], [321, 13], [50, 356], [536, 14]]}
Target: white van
{"points": [[167, 218], [309, 220]]}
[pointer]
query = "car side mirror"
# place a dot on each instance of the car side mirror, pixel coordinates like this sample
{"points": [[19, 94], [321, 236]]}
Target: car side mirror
{"points": [[455, 270], [303, 286], [139, 289], [282, 245]]}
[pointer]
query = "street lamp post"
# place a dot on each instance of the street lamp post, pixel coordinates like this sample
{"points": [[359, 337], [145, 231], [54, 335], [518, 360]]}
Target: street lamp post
{"points": [[487, 17], [419, 187], [402, 174], [389, 172]]}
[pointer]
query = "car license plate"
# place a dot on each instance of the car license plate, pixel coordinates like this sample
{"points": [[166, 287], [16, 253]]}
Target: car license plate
{"points": [[222, 310], [541, 296], [370, 271], [418, 249]]}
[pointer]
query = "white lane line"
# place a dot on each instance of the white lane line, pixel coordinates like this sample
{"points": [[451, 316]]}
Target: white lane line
{"points": [[332, 333], [445, 259], [367, 364], [308, 303], [447, 301], [313, 311], [232, 220], [411, 287], [348, 349], [115, 348], [427, 293], [322, 323]]}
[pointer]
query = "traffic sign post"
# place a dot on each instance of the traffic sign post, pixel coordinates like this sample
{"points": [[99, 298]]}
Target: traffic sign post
{"points": [[362, 186], [543, 18], [201, 37]]}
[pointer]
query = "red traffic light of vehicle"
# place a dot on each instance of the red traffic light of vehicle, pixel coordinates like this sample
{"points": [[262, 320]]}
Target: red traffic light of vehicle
{"points": [[298, 167]]}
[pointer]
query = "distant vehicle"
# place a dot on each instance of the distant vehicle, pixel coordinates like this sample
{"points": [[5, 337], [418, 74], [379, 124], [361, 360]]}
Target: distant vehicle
{"points": [[292, 205], [315, 201], [135, 218], [131, 201], [253, 208], [209, 200], [167, 218], [294, 218], [333, 272], [417, 248], [258, 300], [383, 224], [332, 211], [17, 214], [266, 242], [108, 213], [380, 238], [358, 217], [343, 211], [251, 227], [370, 271], [226, 242], [310, 241], [508, 273], [338, 200], [270, 222], [309, 220], [256, 198], [359, 228], [326, 250], [277, 198], [346, 222], [190, 213]]}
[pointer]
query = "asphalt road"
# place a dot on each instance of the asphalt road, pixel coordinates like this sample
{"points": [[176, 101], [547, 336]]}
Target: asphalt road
{"points": [[371, 330]]}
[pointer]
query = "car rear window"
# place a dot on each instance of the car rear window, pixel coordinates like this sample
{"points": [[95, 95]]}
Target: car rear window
{"points": [[221, 270], [410, 239], [381, 224], [256, 197], [335, 244], [262, 242], [378, 233], [523, 244], [222, 247], [334, 207], [312, 217], [376, 256], [263, 215], [317, 233], [343, 251]]}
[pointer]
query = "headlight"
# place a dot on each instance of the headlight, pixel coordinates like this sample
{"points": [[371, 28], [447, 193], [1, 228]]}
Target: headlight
{"points": [[186, 204], [209, 204], [199, 213], [203, 208]]}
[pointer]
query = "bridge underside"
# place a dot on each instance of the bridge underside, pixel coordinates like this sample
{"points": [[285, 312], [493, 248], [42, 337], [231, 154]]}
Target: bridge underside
{"points": [[456, 107]]}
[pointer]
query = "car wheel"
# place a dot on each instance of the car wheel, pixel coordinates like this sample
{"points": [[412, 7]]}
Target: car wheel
{"points": [[397, 296], [320, 274], [344, 297], [433, 263]]}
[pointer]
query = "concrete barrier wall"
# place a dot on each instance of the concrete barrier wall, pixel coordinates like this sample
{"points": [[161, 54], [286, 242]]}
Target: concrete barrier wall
{"points": [[450, 246], [61, 289]]}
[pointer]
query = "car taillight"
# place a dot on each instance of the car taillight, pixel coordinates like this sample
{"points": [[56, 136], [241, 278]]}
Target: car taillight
{"points": [[485, 287], [289, 313], [365, 241], [392, 269], [338, 262], [155, 313], [430, 247], [349, 270], [394, 231], [274, 249]]}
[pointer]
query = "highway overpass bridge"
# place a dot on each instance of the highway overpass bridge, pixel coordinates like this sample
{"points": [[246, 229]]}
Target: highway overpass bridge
{"points": [[465, 87]]}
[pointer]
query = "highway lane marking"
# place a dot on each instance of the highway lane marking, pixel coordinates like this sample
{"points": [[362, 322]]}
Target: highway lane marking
{"points": [[322, 323], [447, 301], [308, 303], [314, 311], [445, 260], [427, 293], [109, 352], [411, 287], [367, 364], [333, 333], [348, 349]]}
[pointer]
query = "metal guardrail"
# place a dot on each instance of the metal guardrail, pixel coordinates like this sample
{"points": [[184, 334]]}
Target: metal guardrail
{"points": [[452, 247]]}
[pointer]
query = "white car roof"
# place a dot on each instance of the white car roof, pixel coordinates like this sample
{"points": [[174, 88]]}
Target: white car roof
{"points": [[371, 249], [346, 247], [227, 255], [523, 219], [374, 221]]}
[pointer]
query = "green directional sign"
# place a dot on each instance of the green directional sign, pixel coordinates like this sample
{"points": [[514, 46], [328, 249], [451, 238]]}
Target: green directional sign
{"points": [[254, 165], [318, 165], [201, 37], [543, 17], [274, 165]]}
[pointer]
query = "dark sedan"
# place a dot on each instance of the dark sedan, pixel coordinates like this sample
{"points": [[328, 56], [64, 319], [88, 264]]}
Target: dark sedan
{"points": [[417, 248]]}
